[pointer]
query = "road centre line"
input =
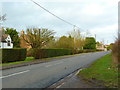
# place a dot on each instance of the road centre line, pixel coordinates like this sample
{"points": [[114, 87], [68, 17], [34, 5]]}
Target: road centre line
{"points": [[48, 65], [54, 64], [14, 74], [58, 63]]}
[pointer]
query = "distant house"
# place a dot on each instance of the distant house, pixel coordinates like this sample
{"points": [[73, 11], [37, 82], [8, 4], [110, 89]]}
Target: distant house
{"points": [[5, 40], [100, 46]]}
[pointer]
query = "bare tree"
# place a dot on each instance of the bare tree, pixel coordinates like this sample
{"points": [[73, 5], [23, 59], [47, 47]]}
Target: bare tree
{"points": [[3, 17], [78, 39]]}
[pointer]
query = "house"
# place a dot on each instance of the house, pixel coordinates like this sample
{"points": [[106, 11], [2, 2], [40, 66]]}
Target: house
{"points": [[5, 40], [100, 46], [23, 44]]}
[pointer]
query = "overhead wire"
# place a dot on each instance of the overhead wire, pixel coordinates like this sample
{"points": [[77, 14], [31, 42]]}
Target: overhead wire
{"points": [[55, 15]]}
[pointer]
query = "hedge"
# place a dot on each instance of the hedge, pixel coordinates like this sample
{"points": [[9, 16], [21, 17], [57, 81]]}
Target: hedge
{"points": [[45, 53], [14, 54], [89, 50]]}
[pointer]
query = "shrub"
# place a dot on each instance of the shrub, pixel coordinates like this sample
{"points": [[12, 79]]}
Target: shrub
{"points": [[77, 51], [99, 50], [90, 43], [12, 55], [45, 53], [29, 52], [116, 52]]}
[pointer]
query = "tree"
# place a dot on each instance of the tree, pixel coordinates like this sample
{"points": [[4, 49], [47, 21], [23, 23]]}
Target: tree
{"points": [[78, 39], [90, 43], [37, 38], [51, 43], [14, 36], [65, 42], [110, 46], [2, 19]]}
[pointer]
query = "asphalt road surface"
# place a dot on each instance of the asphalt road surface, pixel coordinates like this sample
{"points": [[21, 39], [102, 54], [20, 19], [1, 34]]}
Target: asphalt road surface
{"points": [[45, 74]]}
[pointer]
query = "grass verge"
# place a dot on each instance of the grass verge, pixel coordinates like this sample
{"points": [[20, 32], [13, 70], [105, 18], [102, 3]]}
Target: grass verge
{"points": [[102, 70], [28, 59]]}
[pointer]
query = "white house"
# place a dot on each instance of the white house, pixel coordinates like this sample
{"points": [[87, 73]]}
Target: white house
{"points": [[5, 41]]}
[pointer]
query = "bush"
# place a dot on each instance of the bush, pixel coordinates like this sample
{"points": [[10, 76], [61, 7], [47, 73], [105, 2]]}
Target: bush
{"points": [[77, 51], [13, 55], [116, 52], [99, 50], [29, 52], [90, 43], [45, 53], [89, 50]]}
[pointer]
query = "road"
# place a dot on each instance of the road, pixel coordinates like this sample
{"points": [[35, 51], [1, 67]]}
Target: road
{"points": [[45, 74]]}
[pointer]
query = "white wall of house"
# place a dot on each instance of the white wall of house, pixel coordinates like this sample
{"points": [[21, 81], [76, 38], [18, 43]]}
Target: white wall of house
{"points": [[7, 44]]}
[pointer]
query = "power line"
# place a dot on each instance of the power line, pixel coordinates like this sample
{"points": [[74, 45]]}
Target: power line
{"points": [[55, 15]]}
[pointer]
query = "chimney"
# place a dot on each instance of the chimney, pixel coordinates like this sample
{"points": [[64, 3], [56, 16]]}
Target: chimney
{"points": [[22, 32]]}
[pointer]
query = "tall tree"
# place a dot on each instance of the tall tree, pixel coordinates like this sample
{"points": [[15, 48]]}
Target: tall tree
{"points": [[37, 38], [78, 39], [90, 43], [14, 36], [65, 42]]}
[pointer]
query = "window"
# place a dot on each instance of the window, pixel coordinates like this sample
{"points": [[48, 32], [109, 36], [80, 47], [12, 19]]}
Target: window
{"points": [[8, 43]]}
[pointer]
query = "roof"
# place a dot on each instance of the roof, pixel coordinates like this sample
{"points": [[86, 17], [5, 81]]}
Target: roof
{"points": [[3, 36]]}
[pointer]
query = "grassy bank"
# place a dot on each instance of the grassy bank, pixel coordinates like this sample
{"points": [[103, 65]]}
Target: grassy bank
{"points": [[102, 70]]}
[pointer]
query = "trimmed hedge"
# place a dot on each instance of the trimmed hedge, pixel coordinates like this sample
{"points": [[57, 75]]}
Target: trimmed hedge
{"points": [[56, 52], [45, 53], [13, 55]]}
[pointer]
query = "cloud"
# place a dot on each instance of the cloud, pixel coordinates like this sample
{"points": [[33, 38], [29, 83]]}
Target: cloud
{"points": [[108, 33], [98, 16], [93, 10]]}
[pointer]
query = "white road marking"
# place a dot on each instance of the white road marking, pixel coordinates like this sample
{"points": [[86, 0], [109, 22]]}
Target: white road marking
{"points": [[14, 74], [60, 85], [59, 63], [48, 65], [54, 64]]}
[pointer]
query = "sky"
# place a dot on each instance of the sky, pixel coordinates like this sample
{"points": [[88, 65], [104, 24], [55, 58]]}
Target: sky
{"points": [[98, 17]]}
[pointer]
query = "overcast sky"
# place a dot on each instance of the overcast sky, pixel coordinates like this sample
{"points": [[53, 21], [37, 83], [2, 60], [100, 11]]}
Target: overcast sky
{"points": [[99, 17]]}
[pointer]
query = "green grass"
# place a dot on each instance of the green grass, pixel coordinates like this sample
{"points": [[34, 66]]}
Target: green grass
{"points": [[102, 70], [28, 59]]}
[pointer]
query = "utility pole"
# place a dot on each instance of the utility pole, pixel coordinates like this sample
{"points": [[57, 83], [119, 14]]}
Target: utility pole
{"points": [[73, 35], [95, 36]]}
